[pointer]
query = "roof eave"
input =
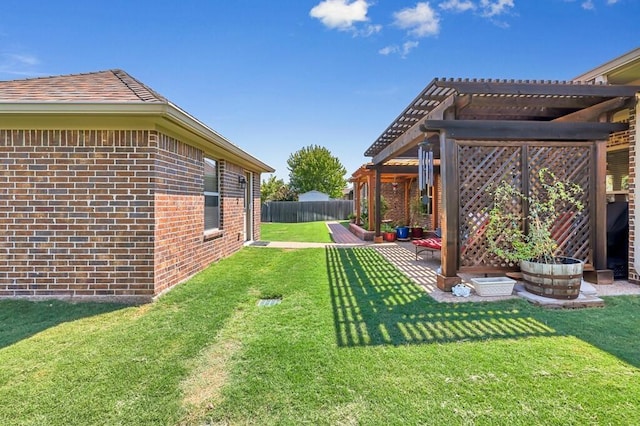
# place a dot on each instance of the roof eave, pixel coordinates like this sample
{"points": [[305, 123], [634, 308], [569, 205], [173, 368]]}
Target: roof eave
{"points": [[167, 111], [610, 66]]}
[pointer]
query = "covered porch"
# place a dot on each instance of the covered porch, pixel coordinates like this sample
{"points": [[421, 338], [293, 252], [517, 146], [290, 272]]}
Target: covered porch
{"points": [[483, 131]]}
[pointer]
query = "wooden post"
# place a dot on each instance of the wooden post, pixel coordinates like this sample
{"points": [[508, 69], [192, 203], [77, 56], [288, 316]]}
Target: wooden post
{"points": [[356, 199], [407, 204], [370, 201], [450, 193], [598, 224], [378, 216]]}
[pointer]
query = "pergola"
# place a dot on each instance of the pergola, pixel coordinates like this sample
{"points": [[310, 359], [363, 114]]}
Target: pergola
{"points": [[485, 130], [402, 173]]}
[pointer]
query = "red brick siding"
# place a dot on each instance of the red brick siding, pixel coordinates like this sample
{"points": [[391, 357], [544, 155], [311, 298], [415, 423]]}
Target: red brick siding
{"points": [[398, 212], [179, 211], [396, 201], [77, 213], [181, 248], [108, 213]]}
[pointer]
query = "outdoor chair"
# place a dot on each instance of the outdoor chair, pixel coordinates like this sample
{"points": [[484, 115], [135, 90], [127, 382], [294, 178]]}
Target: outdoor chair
{"points": [[431, 244]]}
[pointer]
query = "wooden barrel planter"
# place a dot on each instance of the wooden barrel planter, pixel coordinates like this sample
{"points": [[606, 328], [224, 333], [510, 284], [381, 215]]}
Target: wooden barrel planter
{"points": [[556, 280]]}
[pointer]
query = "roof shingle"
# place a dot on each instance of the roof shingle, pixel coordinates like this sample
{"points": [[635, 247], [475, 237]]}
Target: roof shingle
{"points": [[103, 86]]}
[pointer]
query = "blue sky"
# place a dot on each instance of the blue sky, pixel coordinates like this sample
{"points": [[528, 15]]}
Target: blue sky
{"points": [[275, 76]]}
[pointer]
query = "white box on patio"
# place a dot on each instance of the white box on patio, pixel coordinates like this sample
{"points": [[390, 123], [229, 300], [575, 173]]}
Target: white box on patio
{"points": [[493, 286]]}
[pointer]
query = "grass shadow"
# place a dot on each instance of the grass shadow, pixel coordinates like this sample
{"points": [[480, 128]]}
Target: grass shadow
{"points": [[375, 304], [21, 319]]}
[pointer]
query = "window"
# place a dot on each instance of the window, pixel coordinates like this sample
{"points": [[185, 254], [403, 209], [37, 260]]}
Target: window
{"points": [[211, 195]]}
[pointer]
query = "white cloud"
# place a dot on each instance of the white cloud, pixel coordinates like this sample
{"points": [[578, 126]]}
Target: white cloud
{"points": [[408, 47], [387, 50], [612, 1], [18, 64], [421, 21], [457, 5], [403, 50], [588, 5], [494, 8], [340, 14], [368, 30]]}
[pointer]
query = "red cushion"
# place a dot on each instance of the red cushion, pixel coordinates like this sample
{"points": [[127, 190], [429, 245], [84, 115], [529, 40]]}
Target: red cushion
{"points": [[434, 243]]}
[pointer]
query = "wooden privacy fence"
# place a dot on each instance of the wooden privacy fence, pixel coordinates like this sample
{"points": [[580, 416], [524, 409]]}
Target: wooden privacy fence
{"points": [[308, 211]]}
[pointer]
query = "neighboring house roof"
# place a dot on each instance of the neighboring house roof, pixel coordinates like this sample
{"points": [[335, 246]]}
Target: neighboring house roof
{"points": [[113, 93], [313, 195], [625, 69], [314, 192]]}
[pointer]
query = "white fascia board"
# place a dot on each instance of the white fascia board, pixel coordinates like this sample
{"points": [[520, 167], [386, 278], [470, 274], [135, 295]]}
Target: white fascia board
{"points": [[82, 108], [608, 67], [167, 111], [196, 126]]}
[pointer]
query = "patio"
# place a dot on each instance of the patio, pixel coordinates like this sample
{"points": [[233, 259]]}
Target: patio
{"points": [[424, 272], [468, 135]]}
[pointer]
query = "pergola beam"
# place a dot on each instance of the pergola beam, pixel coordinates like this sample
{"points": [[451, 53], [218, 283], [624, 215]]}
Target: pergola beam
{"points": [[594, 112], [523, 130], [514, 102], [536, 88]]}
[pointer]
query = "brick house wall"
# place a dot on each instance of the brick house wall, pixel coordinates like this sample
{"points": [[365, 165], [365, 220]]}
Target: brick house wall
{"points": [[109, 214], [76, 214], [398, 211]]}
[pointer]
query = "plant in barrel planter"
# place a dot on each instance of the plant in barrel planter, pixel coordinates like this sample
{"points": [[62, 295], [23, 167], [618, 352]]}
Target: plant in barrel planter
{"points": [[550, 208]]}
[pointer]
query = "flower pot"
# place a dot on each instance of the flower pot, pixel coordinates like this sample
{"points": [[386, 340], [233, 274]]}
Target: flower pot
{"points": [[377, 239], [402, 232], [389, 236], [416, 232], [493, 286], [555, 280]]}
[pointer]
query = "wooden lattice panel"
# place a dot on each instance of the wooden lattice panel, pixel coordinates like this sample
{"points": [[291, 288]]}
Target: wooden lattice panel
{"points": [[571, 163], [479, 168]]}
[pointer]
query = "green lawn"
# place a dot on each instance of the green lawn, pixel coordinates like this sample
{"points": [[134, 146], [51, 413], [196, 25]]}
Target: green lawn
{"points": [[353, 342], [307, 232]]}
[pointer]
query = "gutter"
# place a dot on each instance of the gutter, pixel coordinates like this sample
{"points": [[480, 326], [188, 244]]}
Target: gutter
{"points": [[167, 111]]}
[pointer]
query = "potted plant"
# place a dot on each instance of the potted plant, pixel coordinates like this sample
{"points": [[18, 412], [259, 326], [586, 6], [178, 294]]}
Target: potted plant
{"points": [[417, 217], [553, 205], [388, 233], [402, 232]]}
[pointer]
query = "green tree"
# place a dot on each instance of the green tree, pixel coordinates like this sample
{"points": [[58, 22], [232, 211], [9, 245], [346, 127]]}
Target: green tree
{"points": [[274, 189], [314, 168]]}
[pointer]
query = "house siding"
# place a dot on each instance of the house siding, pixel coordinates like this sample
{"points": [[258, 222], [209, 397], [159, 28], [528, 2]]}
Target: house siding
{"points": [[181, 247], [76, 215], [109, 214]]}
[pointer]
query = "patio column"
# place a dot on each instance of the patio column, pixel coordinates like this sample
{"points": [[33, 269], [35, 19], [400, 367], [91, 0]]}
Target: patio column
{"points": [[448, 276], [378, 200], [599, 218], [356, 199]]}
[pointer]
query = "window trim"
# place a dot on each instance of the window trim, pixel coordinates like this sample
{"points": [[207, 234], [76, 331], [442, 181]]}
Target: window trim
{"points": [[213, 232]]}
